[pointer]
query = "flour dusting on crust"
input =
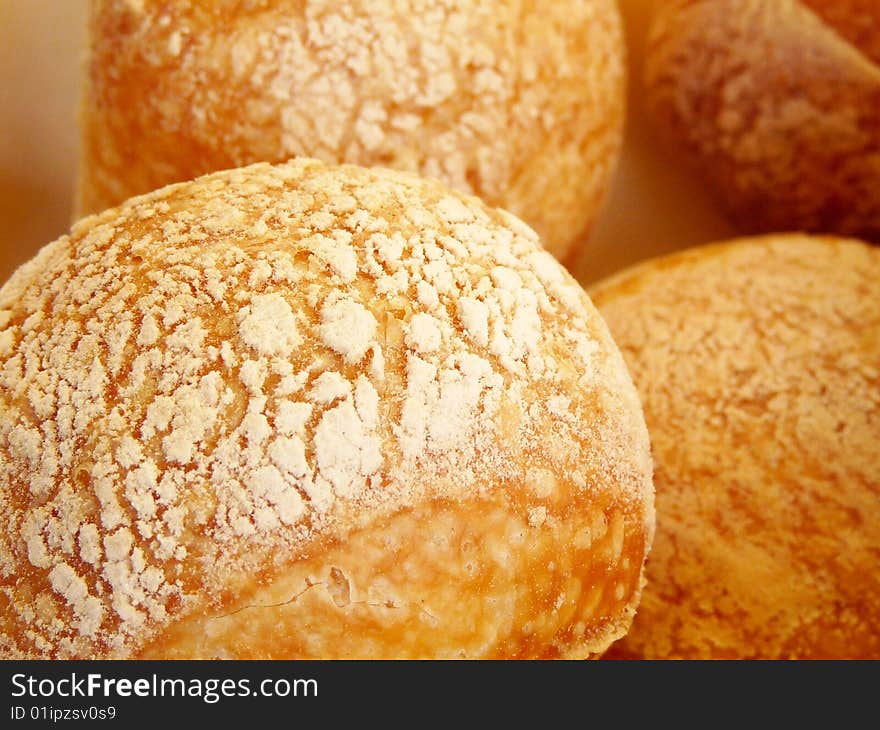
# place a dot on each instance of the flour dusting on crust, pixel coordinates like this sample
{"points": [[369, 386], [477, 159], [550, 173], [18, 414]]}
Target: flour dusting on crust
{"points": [[198, 385]]}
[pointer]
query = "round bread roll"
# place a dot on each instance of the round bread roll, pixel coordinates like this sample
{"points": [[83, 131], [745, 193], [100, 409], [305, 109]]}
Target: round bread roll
{"points": [[758, 363], [778, 103], [519, 103], [312, 411]]}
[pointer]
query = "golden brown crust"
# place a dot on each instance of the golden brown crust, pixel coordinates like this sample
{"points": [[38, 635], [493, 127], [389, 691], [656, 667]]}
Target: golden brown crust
{"points": [[483, 579], [226, 389], [518, 102], [758, 363], [778, 103]]}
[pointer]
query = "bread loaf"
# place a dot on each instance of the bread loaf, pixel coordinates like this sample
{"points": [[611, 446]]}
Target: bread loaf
{"points": [[778, 105], [313, 411], [758, 364], [519, 103]]}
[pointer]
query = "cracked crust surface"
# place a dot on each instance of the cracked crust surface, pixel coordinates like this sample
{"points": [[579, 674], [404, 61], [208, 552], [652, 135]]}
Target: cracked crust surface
{"points": [[517, 102], [758, 364], [313, 411], [778, 104]]}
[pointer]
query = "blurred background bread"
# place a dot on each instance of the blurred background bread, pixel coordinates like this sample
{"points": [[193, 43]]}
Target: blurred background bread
{"points": [[654, 205], [777, 104], [758, 365], [519, 103]]}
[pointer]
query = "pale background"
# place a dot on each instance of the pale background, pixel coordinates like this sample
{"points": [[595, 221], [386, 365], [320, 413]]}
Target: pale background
{"points": [[655, 206]]}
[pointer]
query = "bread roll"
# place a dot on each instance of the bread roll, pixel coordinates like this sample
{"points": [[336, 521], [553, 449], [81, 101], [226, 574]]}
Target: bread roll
{"points": [[312, 411], [758, 363], [778, 104], [519, 103]]}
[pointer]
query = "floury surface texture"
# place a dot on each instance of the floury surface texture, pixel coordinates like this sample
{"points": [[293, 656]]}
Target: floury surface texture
{"points": [[758, 363], [312, 411], [520, 103]]}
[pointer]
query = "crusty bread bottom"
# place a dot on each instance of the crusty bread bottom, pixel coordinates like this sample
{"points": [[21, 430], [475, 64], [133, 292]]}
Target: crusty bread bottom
{"points": [[442, 580]]}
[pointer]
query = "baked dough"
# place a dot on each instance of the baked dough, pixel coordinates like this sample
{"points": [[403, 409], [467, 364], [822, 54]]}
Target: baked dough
{"points": [[778, 104], [758, 363], [313, 411], [517, 102]]}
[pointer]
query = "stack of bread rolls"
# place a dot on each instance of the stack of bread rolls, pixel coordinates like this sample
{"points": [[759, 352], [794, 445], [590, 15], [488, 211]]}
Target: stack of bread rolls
{"points": [[299, 386]]}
